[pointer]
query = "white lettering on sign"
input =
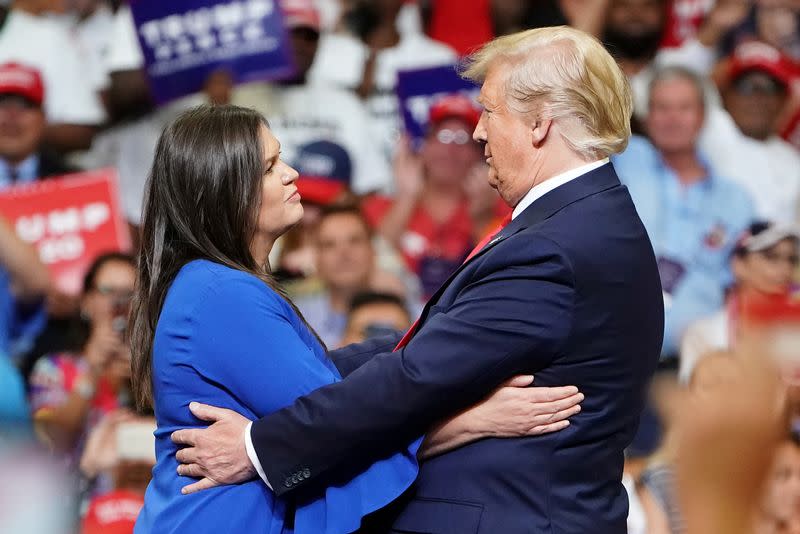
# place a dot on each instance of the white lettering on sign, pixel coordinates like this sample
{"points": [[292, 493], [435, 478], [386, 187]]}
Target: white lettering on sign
{"points": [[57, 233], [228, 15], [118, 510], [31, 228], [66, 221], [65, 248], [95, 215], [177, 38]]}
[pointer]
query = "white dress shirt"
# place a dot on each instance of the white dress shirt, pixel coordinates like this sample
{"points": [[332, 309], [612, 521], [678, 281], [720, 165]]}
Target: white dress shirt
{"points": [[769, 170], [534, 194], [540, 190]]}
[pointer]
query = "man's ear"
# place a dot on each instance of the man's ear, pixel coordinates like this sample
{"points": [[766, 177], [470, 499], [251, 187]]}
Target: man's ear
{"points": [[539, 131]]}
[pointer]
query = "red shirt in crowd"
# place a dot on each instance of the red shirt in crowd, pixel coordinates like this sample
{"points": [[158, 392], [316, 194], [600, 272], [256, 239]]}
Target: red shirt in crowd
{"points": [[684, 18], [52, 381], [464, 26], [113, 513], [432, 250]]}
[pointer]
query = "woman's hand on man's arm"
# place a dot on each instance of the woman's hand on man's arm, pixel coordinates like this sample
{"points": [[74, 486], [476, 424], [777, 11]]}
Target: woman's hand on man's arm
{"points": [[513, 410]]}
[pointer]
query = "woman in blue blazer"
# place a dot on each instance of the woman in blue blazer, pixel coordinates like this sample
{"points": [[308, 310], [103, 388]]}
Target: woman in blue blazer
{"points": [[210, 325]]}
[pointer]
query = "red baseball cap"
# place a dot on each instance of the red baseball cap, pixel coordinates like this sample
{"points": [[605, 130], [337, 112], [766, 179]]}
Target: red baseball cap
{"points": [[16, 79], [301, 14], [325, 170], [454, 106], [320, 189], [757, 56]]}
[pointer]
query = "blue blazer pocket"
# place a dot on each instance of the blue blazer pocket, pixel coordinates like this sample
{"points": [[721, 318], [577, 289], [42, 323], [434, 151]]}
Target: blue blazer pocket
{"points": [[439, 516]]}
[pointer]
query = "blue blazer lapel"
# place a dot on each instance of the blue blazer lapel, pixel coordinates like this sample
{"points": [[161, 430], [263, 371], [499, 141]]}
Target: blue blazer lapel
{"points": [[591, 183]]}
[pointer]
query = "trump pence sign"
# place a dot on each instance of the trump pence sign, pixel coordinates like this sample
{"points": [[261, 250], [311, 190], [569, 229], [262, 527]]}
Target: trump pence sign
{"points": [[184, 41]]}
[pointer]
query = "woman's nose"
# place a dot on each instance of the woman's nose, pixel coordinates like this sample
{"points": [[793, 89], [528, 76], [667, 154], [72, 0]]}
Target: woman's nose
{"points": [[290, 175]]}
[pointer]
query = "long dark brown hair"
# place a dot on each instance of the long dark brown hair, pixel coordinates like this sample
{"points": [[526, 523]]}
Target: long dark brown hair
{"points": [[202, 202]]}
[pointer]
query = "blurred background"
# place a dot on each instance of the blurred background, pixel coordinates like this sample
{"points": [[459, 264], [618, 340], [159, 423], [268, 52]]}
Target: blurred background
{"points": [[365, 98]]}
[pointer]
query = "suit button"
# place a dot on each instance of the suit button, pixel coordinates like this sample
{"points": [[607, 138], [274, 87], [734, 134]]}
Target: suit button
{"points": [[294, 479], [287, 483], [306, 473]]}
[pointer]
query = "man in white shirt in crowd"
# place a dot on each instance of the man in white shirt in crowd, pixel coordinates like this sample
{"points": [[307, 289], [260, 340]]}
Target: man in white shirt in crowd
{"points": [[636, 32], [633, 31], [129, 145], [740, 141], [302, 111], [91, 23], [367, 61], [73, 107]]}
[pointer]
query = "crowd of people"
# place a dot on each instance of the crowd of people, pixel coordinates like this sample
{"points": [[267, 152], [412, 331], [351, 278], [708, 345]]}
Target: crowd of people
{"points": [[713, 169]]}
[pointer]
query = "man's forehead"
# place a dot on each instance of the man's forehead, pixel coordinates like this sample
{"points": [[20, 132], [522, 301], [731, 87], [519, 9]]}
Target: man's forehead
{"points": [[487, 96], [491, 84]]}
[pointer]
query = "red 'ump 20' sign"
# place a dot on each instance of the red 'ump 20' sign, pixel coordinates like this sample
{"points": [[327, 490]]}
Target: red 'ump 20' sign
{"points": [[70, 219]]}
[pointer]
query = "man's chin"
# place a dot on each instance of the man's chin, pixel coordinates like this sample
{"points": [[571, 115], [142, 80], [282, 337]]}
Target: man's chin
{"points": [[491, 178]]}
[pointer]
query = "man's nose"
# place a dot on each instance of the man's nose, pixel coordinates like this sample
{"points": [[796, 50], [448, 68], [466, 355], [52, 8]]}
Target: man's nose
{"points": [[479, 135]]}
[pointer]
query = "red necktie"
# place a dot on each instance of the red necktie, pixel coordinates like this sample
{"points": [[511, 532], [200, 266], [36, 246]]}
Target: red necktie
{"points": [[485, 241]]}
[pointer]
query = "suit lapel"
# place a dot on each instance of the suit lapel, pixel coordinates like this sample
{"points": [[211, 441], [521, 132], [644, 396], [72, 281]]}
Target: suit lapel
{"points": [[591, 183]]}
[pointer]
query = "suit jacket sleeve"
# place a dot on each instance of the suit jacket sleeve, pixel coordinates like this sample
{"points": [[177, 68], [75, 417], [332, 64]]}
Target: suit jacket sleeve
{"points": [[514, 317], [349, 358]]}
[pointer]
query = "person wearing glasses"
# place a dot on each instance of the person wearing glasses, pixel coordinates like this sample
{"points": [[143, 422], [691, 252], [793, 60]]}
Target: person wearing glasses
{"points": [[71, 391], [429, 220], [764, 265]]}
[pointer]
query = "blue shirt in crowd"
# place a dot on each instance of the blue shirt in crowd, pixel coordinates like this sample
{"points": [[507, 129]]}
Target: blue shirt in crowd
{"points": [[20, 321], [693, 229], [14, 412], [329, 324], [25, 172]]}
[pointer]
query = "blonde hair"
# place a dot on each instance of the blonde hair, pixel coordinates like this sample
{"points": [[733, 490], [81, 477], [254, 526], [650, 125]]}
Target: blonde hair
{"points": [[565, 75]]}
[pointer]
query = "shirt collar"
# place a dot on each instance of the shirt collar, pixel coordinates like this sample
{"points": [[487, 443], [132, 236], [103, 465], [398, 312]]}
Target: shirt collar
{"points": [[707, 180], [27, 171], [539, 190]]}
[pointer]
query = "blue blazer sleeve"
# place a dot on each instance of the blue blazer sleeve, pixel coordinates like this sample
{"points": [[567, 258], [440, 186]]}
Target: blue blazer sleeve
{"points": [[348, 359], [494, 330], [250, 342]]}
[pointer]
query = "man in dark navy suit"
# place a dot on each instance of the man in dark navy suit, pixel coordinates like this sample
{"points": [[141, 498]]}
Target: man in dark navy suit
{"points": [[568, 291]]}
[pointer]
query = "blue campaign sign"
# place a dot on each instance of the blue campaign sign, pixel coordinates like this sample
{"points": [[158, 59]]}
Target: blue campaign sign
{"points": [[419, 89], [183, 41]]}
